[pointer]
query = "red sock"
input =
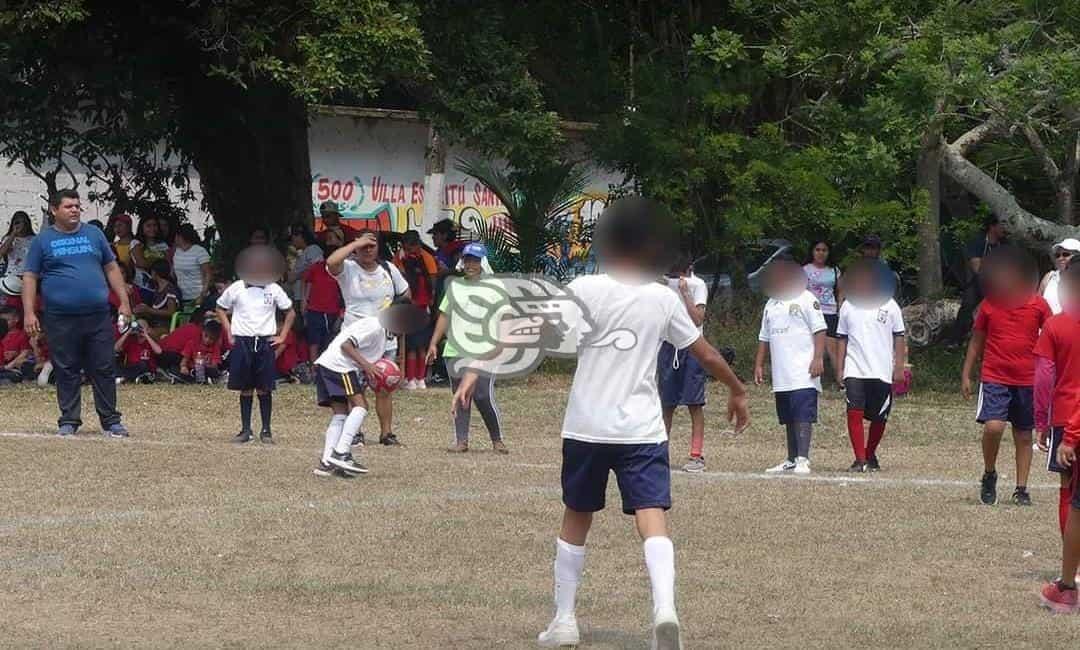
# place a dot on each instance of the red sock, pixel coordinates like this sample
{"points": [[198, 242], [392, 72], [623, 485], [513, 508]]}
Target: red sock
{"points": [[418, 367], [855, 432], [697, 444], [877, 430], [1064, 504], [410, 367]]}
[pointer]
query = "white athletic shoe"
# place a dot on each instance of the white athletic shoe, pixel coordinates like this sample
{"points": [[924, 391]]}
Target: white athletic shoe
{"points": [[785, 466], [409, 385], [46, 372], [666, 632], [561, 633], [420, 384], [802, 465]]}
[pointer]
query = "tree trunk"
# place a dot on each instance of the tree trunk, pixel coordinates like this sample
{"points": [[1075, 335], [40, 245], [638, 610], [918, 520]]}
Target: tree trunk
{"points": [[250, 146], [434, 179], [929, 230], [1065, 196]]}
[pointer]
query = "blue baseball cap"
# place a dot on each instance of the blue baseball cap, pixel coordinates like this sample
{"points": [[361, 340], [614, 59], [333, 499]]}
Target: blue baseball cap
{"points": [[476, 249]]}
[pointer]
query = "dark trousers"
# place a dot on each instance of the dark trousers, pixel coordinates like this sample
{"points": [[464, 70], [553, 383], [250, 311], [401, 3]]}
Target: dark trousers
{"points": [[83, 343]]}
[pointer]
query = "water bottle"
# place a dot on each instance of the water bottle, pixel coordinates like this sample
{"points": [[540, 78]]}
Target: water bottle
{"points": [[200, 368]]}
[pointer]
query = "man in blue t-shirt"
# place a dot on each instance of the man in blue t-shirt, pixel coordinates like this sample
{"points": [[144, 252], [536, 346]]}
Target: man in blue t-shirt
{"points": [[75, 267]]}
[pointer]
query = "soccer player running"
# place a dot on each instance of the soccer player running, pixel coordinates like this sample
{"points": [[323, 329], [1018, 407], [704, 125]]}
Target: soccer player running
{"points": [[1006, 328], [793, 336], [872, 355], [621, 380], [682, 378]]}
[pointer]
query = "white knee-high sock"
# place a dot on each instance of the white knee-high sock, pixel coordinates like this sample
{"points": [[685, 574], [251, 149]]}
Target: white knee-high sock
{"points": [[351, 428], [569, 563], [660, 560], [333, 432]]}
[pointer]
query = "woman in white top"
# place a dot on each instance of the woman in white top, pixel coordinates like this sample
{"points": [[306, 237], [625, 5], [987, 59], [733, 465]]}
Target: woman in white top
{"points": [[13, 248], [823, 280], [191, 266], [147, 248], [1062, 252]]}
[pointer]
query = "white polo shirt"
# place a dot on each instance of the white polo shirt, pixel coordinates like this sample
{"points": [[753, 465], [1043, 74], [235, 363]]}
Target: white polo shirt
{"points": [[254, 309], [789, 326]]}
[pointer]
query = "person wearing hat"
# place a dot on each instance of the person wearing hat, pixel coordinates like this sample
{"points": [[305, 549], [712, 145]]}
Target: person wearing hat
{"points": [[1061, 253], [420, 270], [13, 249], [474, 266], [334, 233]]}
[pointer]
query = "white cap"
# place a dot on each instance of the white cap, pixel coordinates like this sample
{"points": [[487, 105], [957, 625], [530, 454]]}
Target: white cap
{"points": [[1068, 244]]}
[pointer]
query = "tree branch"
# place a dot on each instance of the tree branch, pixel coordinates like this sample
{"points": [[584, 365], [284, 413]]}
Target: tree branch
{"points": [[1049, 166], [967, 142]]}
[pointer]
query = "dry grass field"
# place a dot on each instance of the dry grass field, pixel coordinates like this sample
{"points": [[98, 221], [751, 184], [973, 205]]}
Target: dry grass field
{"points": [[177, 538]]}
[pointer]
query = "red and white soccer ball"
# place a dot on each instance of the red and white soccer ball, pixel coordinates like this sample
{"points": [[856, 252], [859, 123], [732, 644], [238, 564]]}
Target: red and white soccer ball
{"points": [[391, 376]]}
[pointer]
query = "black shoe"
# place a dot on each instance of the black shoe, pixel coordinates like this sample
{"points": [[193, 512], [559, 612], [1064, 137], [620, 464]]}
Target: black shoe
{"points": [[1021, 497], [390, 440], [324, 469], [872, 464], [346, 463], [358, 439], [266, 438], [988, 492], [242, 437], [858, 467], [360, 468]]}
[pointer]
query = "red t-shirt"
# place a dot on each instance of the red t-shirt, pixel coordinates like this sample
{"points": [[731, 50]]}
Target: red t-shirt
{"points": [[288, 358], [1060, 343], [136, 349], [212, 353], [179, 339], [325, 294], [1011, 333], [14, 343]]}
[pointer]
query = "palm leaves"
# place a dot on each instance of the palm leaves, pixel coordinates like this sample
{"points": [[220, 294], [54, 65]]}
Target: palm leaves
{"points": [[538, 203]]}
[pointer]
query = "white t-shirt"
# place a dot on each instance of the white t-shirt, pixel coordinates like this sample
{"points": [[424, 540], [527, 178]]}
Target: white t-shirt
{"points": [[788, 326], [367, 292], [366, 334], [187, 265], [1050, 293], [16, 257], [614, 397], [254, 309], [869, 334], [698, 290]]}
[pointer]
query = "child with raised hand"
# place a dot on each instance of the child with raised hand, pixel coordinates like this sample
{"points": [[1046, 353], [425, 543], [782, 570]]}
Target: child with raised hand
{"points": [[252, 333], [626, 315], [793, 337], [139, 351], [872, 353], [1006, 329]]}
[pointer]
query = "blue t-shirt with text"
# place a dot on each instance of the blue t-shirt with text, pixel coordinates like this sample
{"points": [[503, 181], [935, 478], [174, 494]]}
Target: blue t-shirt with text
{"points": [[71, 269]]}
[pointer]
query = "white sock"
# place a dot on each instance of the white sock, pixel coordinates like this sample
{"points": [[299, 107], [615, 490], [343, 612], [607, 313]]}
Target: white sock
{"points": [[333, 432], [569, 563], [660, 560], [351, 428]]}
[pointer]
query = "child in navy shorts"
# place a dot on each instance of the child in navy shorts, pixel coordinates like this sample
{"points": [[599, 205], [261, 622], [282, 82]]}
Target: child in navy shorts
{"points": [[793, 336], [253, 333], [1060, 595], [1006, 328], [614, 419]]}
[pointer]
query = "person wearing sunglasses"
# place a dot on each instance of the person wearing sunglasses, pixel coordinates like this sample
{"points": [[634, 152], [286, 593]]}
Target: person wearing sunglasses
{"points": [[1061, 253]]}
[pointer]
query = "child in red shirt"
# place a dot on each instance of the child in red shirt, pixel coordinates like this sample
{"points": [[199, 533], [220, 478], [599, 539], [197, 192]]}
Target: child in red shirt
{"points": [[1006, 328], [322, 307], [419, 268], [208, 346], [15, 349], [139, 351], [287, 355], [174, 343], [1060, 595]]}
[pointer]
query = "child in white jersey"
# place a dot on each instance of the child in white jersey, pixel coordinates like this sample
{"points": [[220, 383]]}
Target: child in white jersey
{"points": [[793, 336], [614, 421]]}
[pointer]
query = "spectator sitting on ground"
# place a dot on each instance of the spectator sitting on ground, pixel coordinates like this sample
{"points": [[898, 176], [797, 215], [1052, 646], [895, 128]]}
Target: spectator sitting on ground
{"points": [[15, 349], [174, 343], [207, 347], [139, 352], [287, 355], [43, 366], [165, 300]]}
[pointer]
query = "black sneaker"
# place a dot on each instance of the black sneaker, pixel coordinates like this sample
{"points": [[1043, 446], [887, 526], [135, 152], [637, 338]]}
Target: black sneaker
{"points": [[1021, 497], [390, 440], [988, 491], [360, 468], [346, 463], [858, 467], [266, 438], [242, 437], [358, 439], [872, 464]]}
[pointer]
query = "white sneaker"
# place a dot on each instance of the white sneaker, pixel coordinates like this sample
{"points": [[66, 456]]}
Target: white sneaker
{"points": [[46, 372], [802, 465], [666, 632], [409, 385], [420, 385], [785, 466], [560, 633]]}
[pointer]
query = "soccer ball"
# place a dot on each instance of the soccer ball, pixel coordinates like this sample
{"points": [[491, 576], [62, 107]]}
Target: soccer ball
{"points": [[391, 380]]}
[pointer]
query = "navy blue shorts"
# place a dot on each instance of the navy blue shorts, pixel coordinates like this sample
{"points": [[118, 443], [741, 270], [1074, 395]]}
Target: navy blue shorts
{"points": [[642, 472], [871, 396], [680, 376], [1056, 435], [251, 364], [338, 387], [1012, 404], [795, 406], [319, 329]]}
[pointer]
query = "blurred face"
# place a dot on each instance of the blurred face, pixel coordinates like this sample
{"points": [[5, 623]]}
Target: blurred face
{"points": [[259, 265], [472, 265], [1061, 258], [67, 214], [784, 280], [821, 253], [1005, 284], [1069, 293]]}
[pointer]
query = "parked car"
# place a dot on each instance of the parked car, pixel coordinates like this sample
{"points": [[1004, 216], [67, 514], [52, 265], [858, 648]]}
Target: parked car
{"points": [[712, 269]]}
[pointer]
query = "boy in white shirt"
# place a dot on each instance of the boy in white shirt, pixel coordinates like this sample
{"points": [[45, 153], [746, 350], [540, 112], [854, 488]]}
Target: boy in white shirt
{"points": [[793, 336], [614, 420], [345, 369], [872, 355], [253, 333]]}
